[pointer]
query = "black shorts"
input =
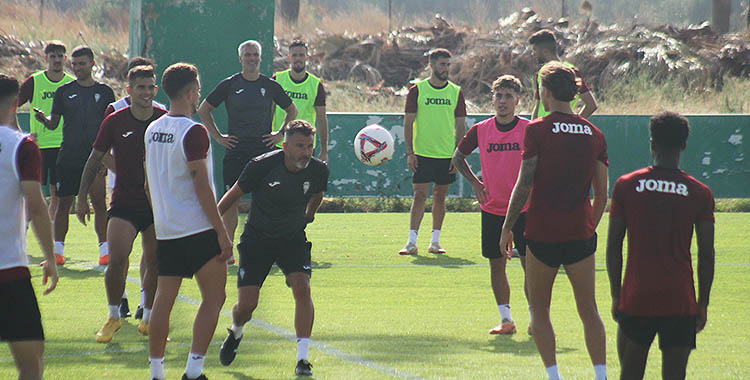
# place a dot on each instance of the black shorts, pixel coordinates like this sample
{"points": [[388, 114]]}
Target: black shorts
{"points": [[49, 165], [672, 331], [234, 164], [492, 226], [565, 253], [257, 255], [435, 170], [19, 312], [68, 178], [184, 256], [140, 218]]}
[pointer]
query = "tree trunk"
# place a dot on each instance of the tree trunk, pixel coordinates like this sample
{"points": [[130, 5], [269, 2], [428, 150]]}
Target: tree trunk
{"points": [[721, 11], [289, 10]]}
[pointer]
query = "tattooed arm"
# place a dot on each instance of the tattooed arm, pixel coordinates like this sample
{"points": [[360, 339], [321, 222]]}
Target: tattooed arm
{"points": [[87, 178]]}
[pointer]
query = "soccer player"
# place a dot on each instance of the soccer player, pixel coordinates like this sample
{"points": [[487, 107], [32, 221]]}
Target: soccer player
{"points": [[307, 93], [564, 156], [287, 187], [249, 97], [39, 90], [20, 176], [130, 213], [82, 102], [434, 123], [191, 237], [659, 206], [544, 46], [499, 140]]}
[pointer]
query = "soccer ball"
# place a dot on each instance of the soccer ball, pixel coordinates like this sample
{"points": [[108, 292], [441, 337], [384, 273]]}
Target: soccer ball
{"points": [[373, 145]]}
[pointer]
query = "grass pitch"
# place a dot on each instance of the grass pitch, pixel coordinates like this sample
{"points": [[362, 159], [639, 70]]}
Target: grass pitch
{"points": [[379, 315]]}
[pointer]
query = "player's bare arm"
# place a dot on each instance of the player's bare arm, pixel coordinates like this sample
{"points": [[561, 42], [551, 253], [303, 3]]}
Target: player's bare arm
{"points": [[409, 137], [50, 122], [312, 206], [202, 185], [459, 134], [704, 233], [589, 104], [321, 129], [90, 171], [109, 162], [274, 138], [459, 162], [600, 184], [230, 197], [42, 227], [615, 237], [226, 140], [518, 199]]}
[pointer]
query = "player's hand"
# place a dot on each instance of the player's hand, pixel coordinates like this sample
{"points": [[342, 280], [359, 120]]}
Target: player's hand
{"points": [[273, 138], [701, 318], [33, 136], [323, 156], [411, 160], [227, 141], [50, 274], [506, 243], [39, 116], [453, 169], [615, 302], [480, 192], [226, 248], [83, 212]]}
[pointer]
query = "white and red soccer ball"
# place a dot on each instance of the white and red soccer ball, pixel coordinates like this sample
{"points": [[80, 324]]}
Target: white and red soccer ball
{"points": [[373, 145]]}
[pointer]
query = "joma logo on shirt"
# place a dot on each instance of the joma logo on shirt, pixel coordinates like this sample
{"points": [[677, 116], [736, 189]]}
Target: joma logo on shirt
{"points": [[161, 137], [296, 95], [576, 129], [437, 101], [491, 147], [661, 186], [48, 94]]}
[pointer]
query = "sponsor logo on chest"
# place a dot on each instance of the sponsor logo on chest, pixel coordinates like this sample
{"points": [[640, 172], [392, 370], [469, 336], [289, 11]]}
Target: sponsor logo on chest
{"points": [[502, 147], [437, 102], [48, 95], [161, 137], [297, 95], [662, 186], [570, 128]]}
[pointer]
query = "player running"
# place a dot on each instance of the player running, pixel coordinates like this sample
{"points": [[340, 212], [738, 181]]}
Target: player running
{"points": [[130, 213], [191, 237], [659, 206], [287, 187], [434, 123], [564, 156], [499, 140], [307, 93], [20, 189], [39, 90], [544, 46], [82, 103], [249, 97]]}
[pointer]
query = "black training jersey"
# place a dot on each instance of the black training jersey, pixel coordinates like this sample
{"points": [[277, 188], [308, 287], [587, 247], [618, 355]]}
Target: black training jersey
{"points": [[83, 111], [249, 109], [279, 196]]}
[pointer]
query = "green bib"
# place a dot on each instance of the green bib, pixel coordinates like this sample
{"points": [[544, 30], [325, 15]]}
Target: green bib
{"points": [[543, 112], [435, 124], [303, 95], [44, 95]]}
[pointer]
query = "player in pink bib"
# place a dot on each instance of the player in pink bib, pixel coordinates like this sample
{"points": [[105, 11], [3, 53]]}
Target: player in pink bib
{"points": [[499, 140]]}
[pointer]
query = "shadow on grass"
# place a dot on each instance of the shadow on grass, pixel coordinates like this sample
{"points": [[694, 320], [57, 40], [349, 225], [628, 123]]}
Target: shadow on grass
{"points": [[504, 344], [441, 260]]}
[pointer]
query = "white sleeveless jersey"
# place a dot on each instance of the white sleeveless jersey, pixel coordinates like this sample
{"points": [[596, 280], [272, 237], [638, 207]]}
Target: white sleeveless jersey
{"points": [[12, 208], [177, 212]]}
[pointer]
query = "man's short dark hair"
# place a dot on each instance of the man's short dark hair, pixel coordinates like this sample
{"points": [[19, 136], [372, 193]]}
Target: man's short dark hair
{"points": [[54, 46], [669, 130], [8, 89], [561, 80], [438, 53], [507, 81], [178, 76], [544, 38], [299, 126], [82, 51], [138, 72], [298, 43], [139, 61]]}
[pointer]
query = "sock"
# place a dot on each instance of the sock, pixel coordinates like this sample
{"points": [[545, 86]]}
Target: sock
{"points": [[125, 294], [103, 249], [531, 316], [194, 366], [143, 298], [435, 236], [60, 248], [114, 311], [146, 315], [505, 312], [553, 373], [237, 330], [413, 236], [600, 370], [303, 344], [157, 368]]}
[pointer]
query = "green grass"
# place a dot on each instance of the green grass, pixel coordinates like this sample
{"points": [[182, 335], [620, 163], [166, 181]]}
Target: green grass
{"points": [[379, 315]]}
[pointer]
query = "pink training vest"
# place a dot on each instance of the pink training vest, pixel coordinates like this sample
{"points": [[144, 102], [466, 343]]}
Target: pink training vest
{"points": [[500, 155]]}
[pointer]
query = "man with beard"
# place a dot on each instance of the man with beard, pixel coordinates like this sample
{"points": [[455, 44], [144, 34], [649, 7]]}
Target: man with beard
{"points": [[307, 93], [434, 123]]}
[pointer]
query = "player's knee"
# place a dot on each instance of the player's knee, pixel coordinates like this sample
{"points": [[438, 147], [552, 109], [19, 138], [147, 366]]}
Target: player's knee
{"points": [[300, 287], [31, 368], [246, 307], [420, 195]]}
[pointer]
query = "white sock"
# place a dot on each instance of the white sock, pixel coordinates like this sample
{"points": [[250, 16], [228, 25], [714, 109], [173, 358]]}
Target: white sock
{"points": [[143, 298], [146, 315], [194, 366], [60, 248], [114, 311], [435, 236], [157, 368], [125, 294], [237, 330], [413, 236], [600, 370], [303, 344], [505, 312], [553, 373], [103, 249]]}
